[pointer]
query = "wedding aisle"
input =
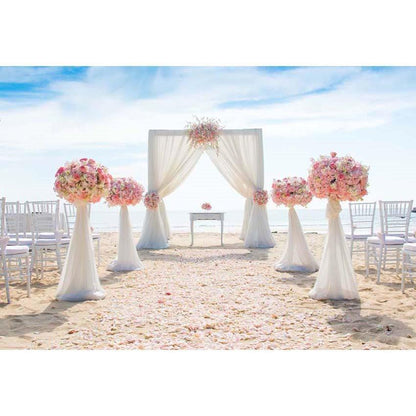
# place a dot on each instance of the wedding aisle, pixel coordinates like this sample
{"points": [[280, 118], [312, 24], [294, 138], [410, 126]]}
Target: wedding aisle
{"points": [[210, 297]]}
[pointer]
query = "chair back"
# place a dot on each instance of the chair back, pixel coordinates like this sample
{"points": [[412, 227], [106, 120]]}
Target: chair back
{"points": [[3, 217], [362, 215], [70, 216], [13, 219], [45, 216], [395, 217]]}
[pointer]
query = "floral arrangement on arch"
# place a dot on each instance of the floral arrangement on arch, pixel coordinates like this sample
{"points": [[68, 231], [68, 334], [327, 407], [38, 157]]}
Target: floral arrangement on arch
{"points": [[291, 191], [82, 180], [124, 191], [206, 206], [151, 200], [261, 197], [338, 178], [204, 132]]}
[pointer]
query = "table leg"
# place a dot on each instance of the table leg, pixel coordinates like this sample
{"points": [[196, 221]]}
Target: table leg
{"points": [[192, 233], [222, 232]]}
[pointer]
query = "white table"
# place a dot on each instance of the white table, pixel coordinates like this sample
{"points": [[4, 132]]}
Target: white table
{"points": [[206, 216]]}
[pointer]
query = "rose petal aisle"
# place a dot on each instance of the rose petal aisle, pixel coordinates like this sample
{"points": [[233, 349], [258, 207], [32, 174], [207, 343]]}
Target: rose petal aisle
{"points": [[297, 256], [124, 192], [81, 182], [338, 179]]}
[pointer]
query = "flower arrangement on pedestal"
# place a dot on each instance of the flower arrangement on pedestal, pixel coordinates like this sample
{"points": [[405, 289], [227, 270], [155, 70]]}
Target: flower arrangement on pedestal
{"points": [[206, 206], [151, 200], [261, 197], [204, 132], [293, 191], [124, 192], [81, 182], [338, 179]]}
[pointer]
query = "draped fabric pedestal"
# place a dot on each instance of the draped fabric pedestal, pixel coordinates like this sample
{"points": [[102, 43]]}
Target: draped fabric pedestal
{"points": [[297, 257], [239, 159], [127, 257], [79, 279], [336, 279]]}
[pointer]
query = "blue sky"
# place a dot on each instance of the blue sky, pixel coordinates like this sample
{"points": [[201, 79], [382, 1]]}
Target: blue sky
{"points": [[52, 114]]}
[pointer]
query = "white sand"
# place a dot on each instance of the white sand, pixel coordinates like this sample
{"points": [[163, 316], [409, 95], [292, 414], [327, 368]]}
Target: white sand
{"points": [[209, 297]]}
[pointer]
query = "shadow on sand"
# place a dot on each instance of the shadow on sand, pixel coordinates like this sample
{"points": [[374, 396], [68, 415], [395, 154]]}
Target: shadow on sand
{"points": [[376, 327], [174, 253]]}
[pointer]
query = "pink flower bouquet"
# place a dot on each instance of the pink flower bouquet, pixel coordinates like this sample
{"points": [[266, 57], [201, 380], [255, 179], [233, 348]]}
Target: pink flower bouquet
{"points": [[151, 200], [204, 132], [206, 206], [338, 178], [291, 191], [124, 191], [261, 197], [82, 180]]}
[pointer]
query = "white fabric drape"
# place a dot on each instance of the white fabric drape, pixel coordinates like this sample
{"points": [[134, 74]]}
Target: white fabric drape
{"points": [[171, 159], [127, 257], [240, 160], [297, 257], [336, 279], [79, 279]]}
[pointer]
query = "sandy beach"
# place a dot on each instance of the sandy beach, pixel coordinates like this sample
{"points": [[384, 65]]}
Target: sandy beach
{"points": [[210, 297]]}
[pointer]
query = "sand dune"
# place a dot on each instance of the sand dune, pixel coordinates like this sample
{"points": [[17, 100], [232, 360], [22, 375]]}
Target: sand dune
{"points": [[210, 297]]}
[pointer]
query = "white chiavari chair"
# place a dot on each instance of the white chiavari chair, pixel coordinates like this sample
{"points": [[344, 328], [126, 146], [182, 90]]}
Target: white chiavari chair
{"points": [[16, 220], [49, 242], [362, 215], [15, 260], [70, 217], [387, 245], [408, 263]]}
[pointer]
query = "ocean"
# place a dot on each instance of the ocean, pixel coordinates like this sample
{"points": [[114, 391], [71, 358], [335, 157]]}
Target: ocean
{"points": [[312, 220]]}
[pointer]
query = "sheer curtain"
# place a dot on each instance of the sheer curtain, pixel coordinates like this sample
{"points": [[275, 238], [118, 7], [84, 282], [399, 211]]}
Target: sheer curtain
{"points": [[79, 279], [171, 159], [297, 257], [240, 160], [127, 257], [336, 279]]}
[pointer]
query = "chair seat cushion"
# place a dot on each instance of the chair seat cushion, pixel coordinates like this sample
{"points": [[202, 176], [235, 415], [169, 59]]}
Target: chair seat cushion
{"points": [[357, 237], [14, 250], [411, 239], [410, 247], [388, 240], [21, 242], [47, 235], [51, 241]]}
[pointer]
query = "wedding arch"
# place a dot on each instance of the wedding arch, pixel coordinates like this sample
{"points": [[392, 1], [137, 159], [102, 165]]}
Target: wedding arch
{"points": [[171, 159]]}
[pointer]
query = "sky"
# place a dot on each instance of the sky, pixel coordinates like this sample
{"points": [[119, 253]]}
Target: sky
{"points": [[49, 115]]}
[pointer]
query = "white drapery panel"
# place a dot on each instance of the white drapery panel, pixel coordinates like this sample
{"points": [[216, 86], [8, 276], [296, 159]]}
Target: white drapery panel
{"points": [[297, 257], [79, 279], [336, 279], [127, 257], [240, 160], [170, 160]]}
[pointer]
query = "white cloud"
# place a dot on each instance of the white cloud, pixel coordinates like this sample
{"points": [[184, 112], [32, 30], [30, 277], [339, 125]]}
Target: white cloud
{"points": [[109, 111]]}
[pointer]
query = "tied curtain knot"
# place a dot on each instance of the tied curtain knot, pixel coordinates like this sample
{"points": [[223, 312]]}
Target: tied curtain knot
{"points": [[333, 208]]}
